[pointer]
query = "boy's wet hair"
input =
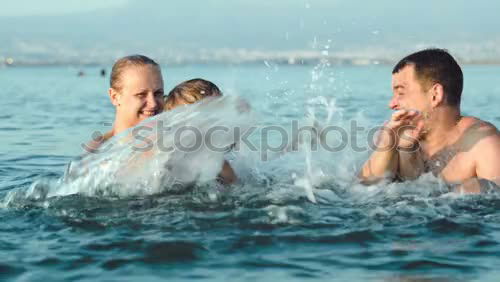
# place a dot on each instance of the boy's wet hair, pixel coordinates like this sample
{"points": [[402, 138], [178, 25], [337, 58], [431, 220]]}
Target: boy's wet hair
{"points": [[436, 66], [125, 62], [191, 91]]}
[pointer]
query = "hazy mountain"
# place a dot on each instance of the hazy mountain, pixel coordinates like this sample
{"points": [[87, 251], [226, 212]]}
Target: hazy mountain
{"points": [[169, 27]]}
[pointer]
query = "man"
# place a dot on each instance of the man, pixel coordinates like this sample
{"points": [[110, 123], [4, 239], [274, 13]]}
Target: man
{"points": [[427, 133]]}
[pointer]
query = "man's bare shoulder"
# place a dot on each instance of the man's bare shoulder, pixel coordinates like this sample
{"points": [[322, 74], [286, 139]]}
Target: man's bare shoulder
{"points": [[474, 120], [485, 150], [478, 135], [470, 121], [488, 141]]}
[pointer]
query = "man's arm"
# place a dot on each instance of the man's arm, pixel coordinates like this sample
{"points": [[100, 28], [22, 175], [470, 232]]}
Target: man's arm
{"points": [[411, 164], [406, 164], [487, 159], [381, 164], [385, 161]]}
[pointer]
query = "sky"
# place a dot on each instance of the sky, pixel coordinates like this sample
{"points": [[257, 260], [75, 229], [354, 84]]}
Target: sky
{"points": [[113, 27], [24, 8]]}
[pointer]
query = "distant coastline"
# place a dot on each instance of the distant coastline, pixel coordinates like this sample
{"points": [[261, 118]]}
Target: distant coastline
{"points": [[236, 57]]}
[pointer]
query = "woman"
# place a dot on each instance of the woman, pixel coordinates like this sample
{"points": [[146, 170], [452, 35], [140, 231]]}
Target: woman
{"points": [[136, 91]]}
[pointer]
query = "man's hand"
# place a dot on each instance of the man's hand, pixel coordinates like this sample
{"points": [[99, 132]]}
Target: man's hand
{"points": [[403, 130], [399, 131]]}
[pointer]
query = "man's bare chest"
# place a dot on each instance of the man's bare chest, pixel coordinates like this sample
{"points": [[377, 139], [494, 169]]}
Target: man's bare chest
{"points": [[457, 167]]}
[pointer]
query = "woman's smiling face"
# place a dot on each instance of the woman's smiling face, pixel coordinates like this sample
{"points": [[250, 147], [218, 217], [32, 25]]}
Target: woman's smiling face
{"points": [[140, 95]]}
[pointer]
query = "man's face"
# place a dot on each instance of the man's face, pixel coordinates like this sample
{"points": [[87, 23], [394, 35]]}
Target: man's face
{"points": [[408, 93], [141, 94]]}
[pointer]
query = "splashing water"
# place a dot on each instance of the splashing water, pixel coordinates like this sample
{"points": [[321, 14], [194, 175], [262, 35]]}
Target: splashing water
{"points": [[173, 150], [107, 219]]}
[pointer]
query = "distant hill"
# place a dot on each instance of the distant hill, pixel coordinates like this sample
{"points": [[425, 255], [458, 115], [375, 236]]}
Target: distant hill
{"points": [[179, 29]]}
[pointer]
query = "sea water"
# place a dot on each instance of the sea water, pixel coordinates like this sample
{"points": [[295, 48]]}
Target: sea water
{"points": [[297, 212]]}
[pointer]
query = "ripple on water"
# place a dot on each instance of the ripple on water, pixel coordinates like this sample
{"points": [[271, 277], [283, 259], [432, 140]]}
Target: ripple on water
{"points": [[147, 252], [355, 240], [9, 271], [49, 261], [428, 264], [260, 263], [21, 144], [446, 226], [10, 128]]}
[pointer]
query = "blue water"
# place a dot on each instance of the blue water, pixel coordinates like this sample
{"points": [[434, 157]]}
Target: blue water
{"points": [[264, 228]]}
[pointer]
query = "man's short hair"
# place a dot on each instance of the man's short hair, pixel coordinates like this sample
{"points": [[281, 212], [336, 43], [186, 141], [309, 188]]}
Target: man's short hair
{"points": [[436, 66]]}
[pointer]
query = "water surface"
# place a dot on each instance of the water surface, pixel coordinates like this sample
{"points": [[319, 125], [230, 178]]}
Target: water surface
{"points": [[264, 228]]}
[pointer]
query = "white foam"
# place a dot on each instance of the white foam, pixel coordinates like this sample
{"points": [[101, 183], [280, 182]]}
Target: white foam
{"points": [[120, 169]]}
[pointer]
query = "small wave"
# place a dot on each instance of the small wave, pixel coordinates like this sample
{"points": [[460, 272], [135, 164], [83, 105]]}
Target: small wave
{"points": [[151, 252], [447, 227], [8, 271], [10, 128]]}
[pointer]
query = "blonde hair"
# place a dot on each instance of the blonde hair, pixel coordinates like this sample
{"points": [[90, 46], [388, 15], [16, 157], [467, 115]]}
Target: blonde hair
{"points": [[125, 62], [191, 91]]}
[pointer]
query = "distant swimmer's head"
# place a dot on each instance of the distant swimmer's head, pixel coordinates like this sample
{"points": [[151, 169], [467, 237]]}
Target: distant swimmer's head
{"points": [[426, 80], [191, 91], [136, 89]]}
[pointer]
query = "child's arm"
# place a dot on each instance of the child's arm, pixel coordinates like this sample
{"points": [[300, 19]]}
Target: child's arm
{"points": [[227, 175]]}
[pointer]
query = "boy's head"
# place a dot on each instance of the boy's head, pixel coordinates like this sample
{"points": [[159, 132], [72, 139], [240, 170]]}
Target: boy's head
{"points": [[191, 91]]}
